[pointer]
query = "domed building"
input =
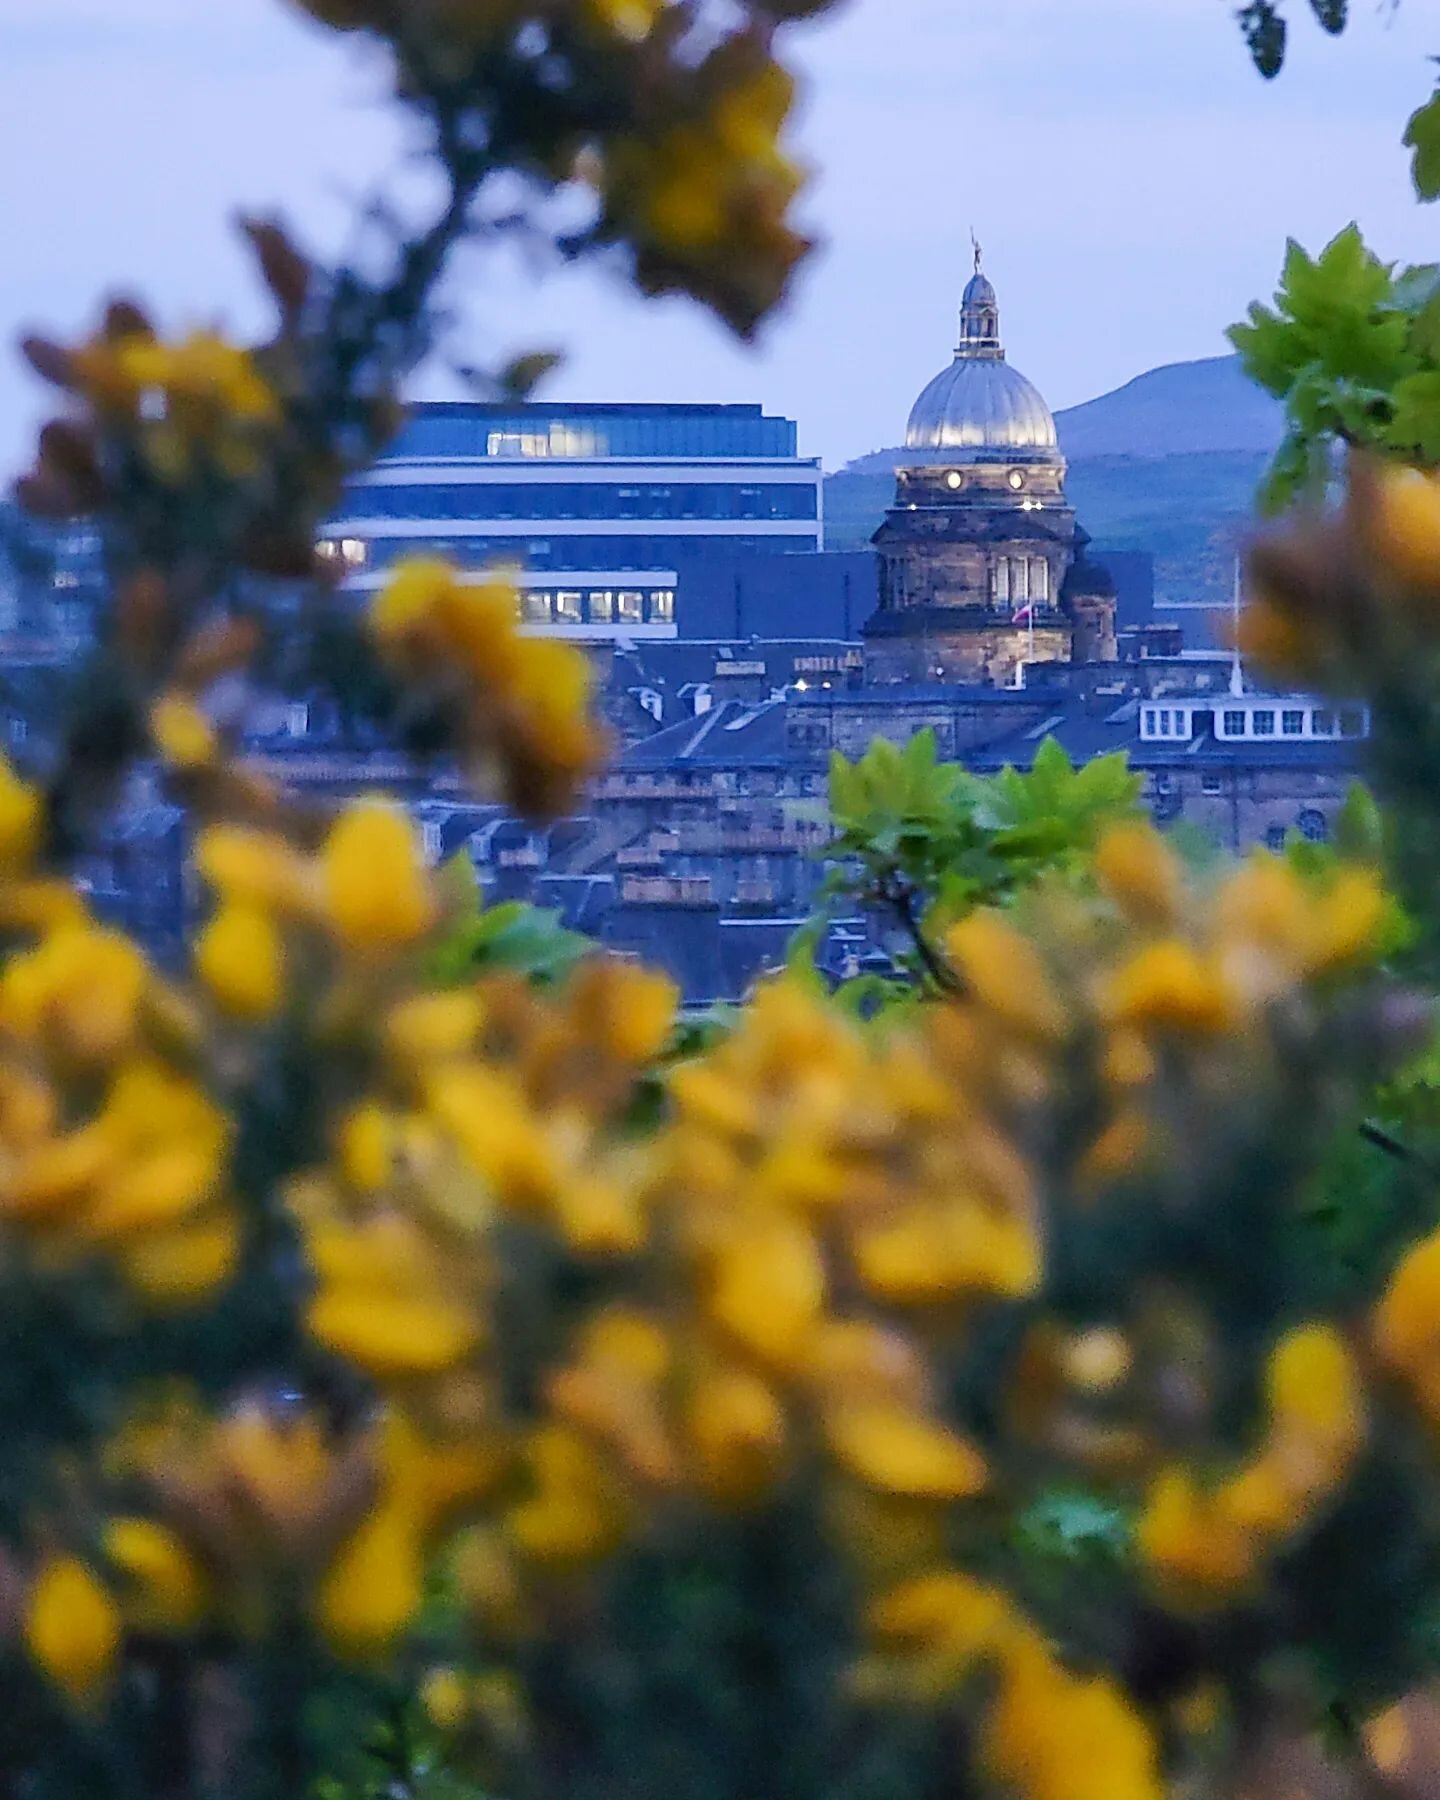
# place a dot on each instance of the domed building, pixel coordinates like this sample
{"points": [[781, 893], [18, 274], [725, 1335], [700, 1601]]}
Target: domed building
{"points": [[981, 565]]}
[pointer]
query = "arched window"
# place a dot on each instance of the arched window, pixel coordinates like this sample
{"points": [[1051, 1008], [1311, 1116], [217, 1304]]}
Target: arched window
{"points": [[1314, 827]]}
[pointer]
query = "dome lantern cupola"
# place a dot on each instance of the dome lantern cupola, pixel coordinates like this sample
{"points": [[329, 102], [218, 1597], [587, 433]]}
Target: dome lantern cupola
{"points": [[979, 316], [981, 409]]}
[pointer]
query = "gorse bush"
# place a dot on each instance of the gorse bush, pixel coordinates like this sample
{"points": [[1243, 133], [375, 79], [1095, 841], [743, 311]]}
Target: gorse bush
{"points": [[431, 1367]]}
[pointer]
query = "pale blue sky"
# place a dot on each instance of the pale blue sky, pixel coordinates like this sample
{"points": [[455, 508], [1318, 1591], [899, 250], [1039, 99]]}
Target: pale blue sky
{"points": [[1130, 176]]}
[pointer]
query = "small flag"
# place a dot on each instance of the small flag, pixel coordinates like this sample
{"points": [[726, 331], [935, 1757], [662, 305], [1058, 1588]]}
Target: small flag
{"points": [[1024, 616]]}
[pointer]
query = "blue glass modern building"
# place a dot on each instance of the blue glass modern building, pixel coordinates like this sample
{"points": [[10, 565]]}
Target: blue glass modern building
{"points": [[600, 508]]}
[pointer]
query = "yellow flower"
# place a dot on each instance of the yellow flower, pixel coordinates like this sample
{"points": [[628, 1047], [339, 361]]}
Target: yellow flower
{"points": [[448, 1698], [377, 894], [202, 370], [181, 733], [384, 1298], [901, 1453], [1054, 1736], [736, 1429], [1139, 872], [631, 19], [940, 1623], [1315, 1394], [628, 1010], [1197, 1548], [22, 819], [1345, 920], [1170, 987], [257, 868], [1119, 1151], [367, 1147], [82, 986], [430, 1027], [570, 1516], [175, 1268], [1389, 1741], [374, 1588], [57, 1173], [1005, 973], [768, 1288], [166, 1587], [72, 1628], [414, 593], [240, 959], [1405, 529], [155, 1191], [1407, 1320]]}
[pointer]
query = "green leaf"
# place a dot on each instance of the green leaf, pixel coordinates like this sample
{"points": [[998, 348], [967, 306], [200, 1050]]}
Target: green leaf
{"points": [[1360, 827], [1422, 136], [514, 937], [1414, 428], [1288, 476]]}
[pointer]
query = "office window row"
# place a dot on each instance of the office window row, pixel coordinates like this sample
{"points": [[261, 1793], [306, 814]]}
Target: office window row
{"points": [[598, 553], [718, 500], [1020, 578], [481, 431], [598, 606]]}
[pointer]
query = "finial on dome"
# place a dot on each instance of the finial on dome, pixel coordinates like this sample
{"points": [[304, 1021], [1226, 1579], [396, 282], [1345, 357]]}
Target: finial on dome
{"points": [[979, 313]]}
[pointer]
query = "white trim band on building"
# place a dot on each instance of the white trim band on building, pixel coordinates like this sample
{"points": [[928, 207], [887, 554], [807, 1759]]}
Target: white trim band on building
{"points": [[502, 472], [524, 529]]}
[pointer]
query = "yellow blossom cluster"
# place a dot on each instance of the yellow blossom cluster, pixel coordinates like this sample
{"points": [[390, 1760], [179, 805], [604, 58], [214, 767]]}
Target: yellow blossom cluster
{"points": [[519, 704], [198, 404], [1205, 1544], [111, 1144], [1353, 596], [709, 184], [252, 1521], [1049, 1734], [768, 1251]]}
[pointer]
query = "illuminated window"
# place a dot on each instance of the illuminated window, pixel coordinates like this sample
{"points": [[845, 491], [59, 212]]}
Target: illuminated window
{"points": [[567, 605], [536, 605], [662, 605], [602, 605], [352, 553], [631, 605]]}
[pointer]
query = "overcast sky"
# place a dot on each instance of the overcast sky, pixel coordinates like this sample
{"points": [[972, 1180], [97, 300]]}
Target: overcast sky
{"points": [[1131, 178]]}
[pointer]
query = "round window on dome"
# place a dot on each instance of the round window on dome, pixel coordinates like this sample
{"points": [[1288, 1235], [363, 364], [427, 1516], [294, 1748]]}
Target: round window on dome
{"points": [[954, 479], [1016, 478]]}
